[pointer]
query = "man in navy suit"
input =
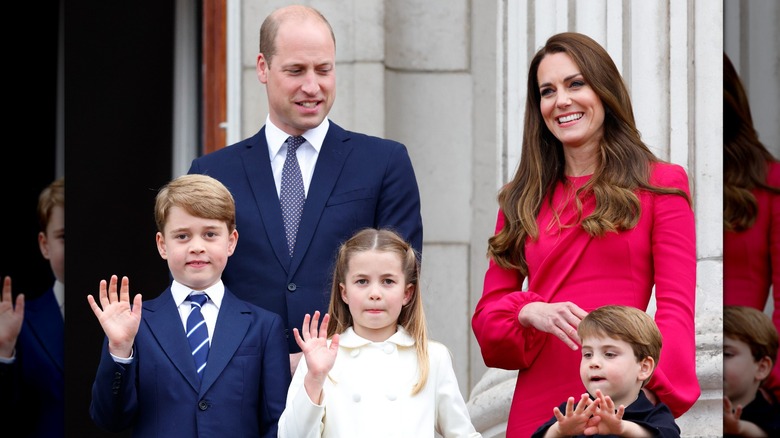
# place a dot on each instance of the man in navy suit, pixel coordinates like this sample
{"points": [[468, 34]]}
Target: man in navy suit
{"points": [[32, 379], [351, 180]]}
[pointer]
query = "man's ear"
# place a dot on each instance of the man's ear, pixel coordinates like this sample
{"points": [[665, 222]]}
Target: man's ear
{"points": [[261, 68]]}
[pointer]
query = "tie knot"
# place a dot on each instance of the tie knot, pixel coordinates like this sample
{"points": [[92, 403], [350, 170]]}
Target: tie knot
{"points": [[293, 143], [199, 299]]}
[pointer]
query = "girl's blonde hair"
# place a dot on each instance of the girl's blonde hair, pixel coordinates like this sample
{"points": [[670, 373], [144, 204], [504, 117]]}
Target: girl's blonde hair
{"points": [[412, 316]]}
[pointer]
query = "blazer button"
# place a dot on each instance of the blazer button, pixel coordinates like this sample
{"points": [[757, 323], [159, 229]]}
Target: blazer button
{"points": [[291, 287], [202, 405]]}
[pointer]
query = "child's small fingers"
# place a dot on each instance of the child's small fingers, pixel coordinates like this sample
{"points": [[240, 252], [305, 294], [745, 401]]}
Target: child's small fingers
{"points": [[324, 326], [112, 296], [306, 326], [124, 290], [103, 294], [7, 289]]}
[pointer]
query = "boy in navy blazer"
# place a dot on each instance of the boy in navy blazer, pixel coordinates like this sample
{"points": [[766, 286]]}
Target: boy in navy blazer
{"points": [[32, 371], [351, 180], [147, 378]]}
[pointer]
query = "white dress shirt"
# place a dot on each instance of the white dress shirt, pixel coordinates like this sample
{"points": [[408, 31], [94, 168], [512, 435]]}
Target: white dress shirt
{"points": [[307, 153], [59, 295], [210, 310]]}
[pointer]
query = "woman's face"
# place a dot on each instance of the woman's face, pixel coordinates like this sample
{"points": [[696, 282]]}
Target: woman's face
{"points": [[572, 111]]}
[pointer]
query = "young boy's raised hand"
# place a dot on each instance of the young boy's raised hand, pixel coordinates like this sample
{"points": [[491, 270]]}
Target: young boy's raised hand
{"points": [[118, 318], [574, 420], [11, 317]]}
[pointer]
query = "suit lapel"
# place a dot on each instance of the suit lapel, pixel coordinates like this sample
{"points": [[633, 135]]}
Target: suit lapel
{"points": [[166, 327], [330, 164], [233, 321], [256, 162]]}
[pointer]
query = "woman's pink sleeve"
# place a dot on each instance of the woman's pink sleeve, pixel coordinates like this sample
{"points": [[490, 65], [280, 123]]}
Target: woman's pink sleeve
{"points": [[504, 342], [674, 262]]}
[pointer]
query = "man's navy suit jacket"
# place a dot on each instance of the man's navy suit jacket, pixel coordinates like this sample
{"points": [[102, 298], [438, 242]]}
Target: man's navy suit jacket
{"points": [[359, 181]]}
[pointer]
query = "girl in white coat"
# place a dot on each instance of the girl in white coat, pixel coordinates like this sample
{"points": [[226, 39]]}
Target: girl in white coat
{"points": [[369, 369]]}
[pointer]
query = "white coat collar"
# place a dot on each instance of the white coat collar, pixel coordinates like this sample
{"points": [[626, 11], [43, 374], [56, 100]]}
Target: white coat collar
{"points": [[350, 339]]}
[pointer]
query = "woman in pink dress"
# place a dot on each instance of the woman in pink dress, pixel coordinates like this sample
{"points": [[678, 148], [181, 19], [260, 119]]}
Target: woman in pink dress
{"points": [[751, 211], [590, 218]]}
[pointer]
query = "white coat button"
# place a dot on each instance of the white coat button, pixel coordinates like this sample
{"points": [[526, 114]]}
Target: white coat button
{"points": [[356, 397], [389, 348], [354, 352]]}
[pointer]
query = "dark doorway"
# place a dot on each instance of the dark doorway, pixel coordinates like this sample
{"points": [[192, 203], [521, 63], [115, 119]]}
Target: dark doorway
{"points": [[118, 133]]}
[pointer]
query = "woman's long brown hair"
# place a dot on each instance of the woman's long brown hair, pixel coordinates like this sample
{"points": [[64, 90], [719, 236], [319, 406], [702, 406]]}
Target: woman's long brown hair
{"points": [[745, 158], [623, 166]]}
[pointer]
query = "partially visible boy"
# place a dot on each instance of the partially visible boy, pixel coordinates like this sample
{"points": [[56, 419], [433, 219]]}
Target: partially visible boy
{"points": [[621, 346], [147, 378], [32, 378], [750, 344]]}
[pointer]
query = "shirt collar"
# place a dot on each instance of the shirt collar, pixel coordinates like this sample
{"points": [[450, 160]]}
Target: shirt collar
{"points": [[276, 137], [215, 292], [59, 295], [350, 339], [59, 292]]}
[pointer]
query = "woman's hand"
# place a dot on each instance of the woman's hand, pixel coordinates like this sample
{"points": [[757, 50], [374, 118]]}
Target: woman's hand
{"points": [[559, 319]]}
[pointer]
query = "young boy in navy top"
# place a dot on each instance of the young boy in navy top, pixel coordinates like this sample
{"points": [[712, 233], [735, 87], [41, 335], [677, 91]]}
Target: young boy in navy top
{"points": [[147, 378], [621, 346]]}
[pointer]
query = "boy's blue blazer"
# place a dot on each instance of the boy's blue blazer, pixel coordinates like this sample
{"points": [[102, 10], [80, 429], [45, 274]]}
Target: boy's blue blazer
{"points": [[160, 395]]}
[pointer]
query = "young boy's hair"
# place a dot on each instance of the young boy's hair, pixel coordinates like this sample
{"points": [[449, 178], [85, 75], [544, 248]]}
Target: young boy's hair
{"points": [[628, 324], [51, 196], [752, 327], [199, 195], [412, 316]]}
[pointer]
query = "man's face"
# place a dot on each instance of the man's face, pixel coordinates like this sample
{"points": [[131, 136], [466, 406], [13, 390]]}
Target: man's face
{"points": [[300, 79]]}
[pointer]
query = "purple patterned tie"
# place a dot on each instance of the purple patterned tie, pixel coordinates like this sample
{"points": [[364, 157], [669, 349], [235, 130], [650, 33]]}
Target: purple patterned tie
{"points": [[292, 194]]}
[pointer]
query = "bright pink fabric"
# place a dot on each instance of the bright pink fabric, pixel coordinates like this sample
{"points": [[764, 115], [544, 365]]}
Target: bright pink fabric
{"points": [[751, 262], [620, 268]]}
